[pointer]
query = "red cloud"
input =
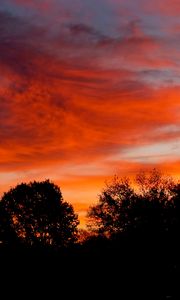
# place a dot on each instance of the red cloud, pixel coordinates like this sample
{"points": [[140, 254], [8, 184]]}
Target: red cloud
{"points": [[166, 7], [44, 5], [74, 98]]}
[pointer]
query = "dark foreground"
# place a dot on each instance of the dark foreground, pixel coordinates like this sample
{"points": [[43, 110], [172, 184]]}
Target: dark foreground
{"points": [[128, 270]]}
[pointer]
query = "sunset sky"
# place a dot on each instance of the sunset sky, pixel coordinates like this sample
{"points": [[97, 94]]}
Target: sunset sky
{"points": [[88, 89]]}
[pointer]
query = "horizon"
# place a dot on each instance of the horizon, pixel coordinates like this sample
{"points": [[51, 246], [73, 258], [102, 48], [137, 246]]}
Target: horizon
{"points": [[88, 90]]}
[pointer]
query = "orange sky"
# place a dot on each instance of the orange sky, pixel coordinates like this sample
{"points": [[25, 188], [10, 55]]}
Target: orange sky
{"points": [[88, 89]]}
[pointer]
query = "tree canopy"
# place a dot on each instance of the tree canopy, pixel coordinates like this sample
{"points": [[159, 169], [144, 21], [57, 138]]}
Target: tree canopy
{"points": [[36, 214], [148, 206]]}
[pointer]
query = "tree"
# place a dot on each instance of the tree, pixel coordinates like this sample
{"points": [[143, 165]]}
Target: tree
{"points": [[36, 214], [139, 207], [7, 234], [141, 219], [174, 208], [107, 217]]}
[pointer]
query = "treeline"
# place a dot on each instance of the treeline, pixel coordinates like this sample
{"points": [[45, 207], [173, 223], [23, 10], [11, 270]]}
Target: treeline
{"points": [[36, 215], [133, 231]]}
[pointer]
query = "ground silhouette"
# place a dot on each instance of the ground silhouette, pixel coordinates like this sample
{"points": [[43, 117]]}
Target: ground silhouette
{"points": [[131, 249]]}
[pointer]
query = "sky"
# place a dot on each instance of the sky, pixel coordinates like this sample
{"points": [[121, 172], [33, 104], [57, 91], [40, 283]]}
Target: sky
{"points": [[88, 89]]}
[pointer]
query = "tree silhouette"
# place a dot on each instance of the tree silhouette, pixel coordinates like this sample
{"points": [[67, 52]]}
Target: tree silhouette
{"points": [[142, 207], [7, 233], [174, 212], [36, 214]]}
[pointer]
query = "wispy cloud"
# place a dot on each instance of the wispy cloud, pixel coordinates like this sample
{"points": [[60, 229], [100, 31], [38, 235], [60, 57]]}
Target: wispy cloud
{"points": [[82, 88]]}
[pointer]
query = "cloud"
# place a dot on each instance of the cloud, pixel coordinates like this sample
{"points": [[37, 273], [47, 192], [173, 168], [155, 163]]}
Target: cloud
{"points": [[167, 7], [78, 99], [52, 99]]}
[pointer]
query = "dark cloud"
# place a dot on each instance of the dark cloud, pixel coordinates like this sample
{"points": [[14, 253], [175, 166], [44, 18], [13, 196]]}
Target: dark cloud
{"points": [[82, 29]]}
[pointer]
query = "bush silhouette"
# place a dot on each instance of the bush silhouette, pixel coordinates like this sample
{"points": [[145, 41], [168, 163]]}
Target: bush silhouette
{"points": [[35, 214]]}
